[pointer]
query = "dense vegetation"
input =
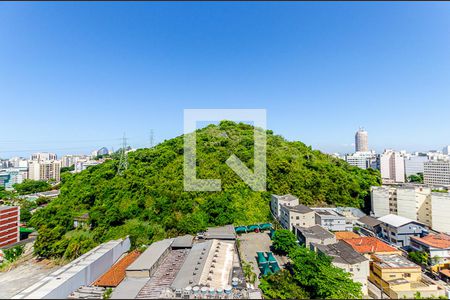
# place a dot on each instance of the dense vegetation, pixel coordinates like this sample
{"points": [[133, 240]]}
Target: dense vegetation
{"points": [[283, 241], [32, 186], [148, 203], [309, 275]]}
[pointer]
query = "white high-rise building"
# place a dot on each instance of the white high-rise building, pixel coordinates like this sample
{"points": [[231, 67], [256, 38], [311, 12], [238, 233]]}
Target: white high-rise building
{"points": [[392, 167], [361, 141], [43, 156], [437, 172], [383, 200], [44, 170], [440, 211], [414, 164], [363, 160]]}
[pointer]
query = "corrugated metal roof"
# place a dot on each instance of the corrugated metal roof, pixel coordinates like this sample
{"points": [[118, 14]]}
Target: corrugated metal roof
{"points": [[150, 256], [116, 273]]}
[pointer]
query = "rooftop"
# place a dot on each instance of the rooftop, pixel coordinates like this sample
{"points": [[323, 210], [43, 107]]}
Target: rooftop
{"points": [[369, 245], [184, 241], [303, 209], [287, 197], [342, 253], [315, 231], [340, 235], [116, 274], [393, 261], [370, 221], [150, 256], [395, 220], [222, 233], [440, 240], [327, 212]]}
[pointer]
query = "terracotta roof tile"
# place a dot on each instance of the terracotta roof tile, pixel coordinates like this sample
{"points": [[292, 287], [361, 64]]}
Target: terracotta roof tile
{"points": [[440, 240], [116, 273], [369, 245], [341, 235]]}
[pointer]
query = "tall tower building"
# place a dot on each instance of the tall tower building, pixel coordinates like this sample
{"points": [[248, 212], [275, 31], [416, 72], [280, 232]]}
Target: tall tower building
{"points": [[361, 141]]}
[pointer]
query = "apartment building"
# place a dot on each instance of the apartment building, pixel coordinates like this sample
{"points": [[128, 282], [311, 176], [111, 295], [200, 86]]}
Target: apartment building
{"points": [[330, 219], [392, 167], [344, 257], [383, 200], [299, 215], [401, 278], [277, 200], [9, 225], [43, 156], [437, 172], [44, 170], [416, 202], [440, 211], [414, 164]]}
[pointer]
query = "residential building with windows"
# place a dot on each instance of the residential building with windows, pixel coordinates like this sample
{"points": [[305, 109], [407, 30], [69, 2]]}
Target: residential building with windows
{"points": [[313, 235], [361, 141], [437, 172], [369, 226], [398, 230], [362, 160], [440, 211], [400, 278], [332, 220], [9, 225], [43, 156], [276, 201], [9, 177], [414, 164], [44, 170], [416, 202], [392, 167], [438, 248], [299, 215], [344, 257]]}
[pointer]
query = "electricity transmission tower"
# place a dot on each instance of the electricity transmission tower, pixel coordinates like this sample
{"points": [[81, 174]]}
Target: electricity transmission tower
{"points": [[123, 163], [152, 138]]}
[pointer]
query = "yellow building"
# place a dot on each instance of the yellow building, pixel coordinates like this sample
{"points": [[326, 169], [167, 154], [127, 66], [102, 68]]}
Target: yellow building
{"points": [[401, 278]]}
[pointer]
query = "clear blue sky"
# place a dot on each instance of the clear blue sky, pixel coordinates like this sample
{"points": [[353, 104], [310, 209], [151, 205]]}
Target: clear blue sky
{"points": [[75, 76]]}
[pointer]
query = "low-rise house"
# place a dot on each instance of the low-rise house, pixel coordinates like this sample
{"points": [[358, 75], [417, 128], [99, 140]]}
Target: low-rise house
{"points": [[400, 278], [276, 201], [398, 230], [346, 258], [352, 214], [314, 234], [369, 246], [299, 215], [438, 248], [369, 226], [331, 220]]}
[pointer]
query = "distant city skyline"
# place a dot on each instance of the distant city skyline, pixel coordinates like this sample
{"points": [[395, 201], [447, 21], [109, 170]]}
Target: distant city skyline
{"points": [[76, 76]]}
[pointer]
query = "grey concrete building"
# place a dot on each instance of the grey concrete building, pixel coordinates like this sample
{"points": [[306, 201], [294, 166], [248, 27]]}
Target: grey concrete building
{"points": [[398, 230], [313, 235], [332, 220]]}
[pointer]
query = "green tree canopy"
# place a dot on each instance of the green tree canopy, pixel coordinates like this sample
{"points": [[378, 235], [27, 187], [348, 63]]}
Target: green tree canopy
{"points": [[29, 186], [283, 241], [148, 200]]}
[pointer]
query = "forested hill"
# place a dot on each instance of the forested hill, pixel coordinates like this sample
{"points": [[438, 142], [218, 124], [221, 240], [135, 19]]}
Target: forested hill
{"points": [[148, 203]]}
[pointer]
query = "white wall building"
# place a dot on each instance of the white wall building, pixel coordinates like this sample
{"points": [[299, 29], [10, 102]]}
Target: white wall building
{"points": [[437, 172], [43, 156], [440, 211], [277, 200], [44, 170], [361, 141], [415, 202], [414, 164], [392, 167]]}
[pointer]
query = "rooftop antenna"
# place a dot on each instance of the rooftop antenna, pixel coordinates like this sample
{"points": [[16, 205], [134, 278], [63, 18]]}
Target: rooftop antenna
{"points": [[123, 163]]}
